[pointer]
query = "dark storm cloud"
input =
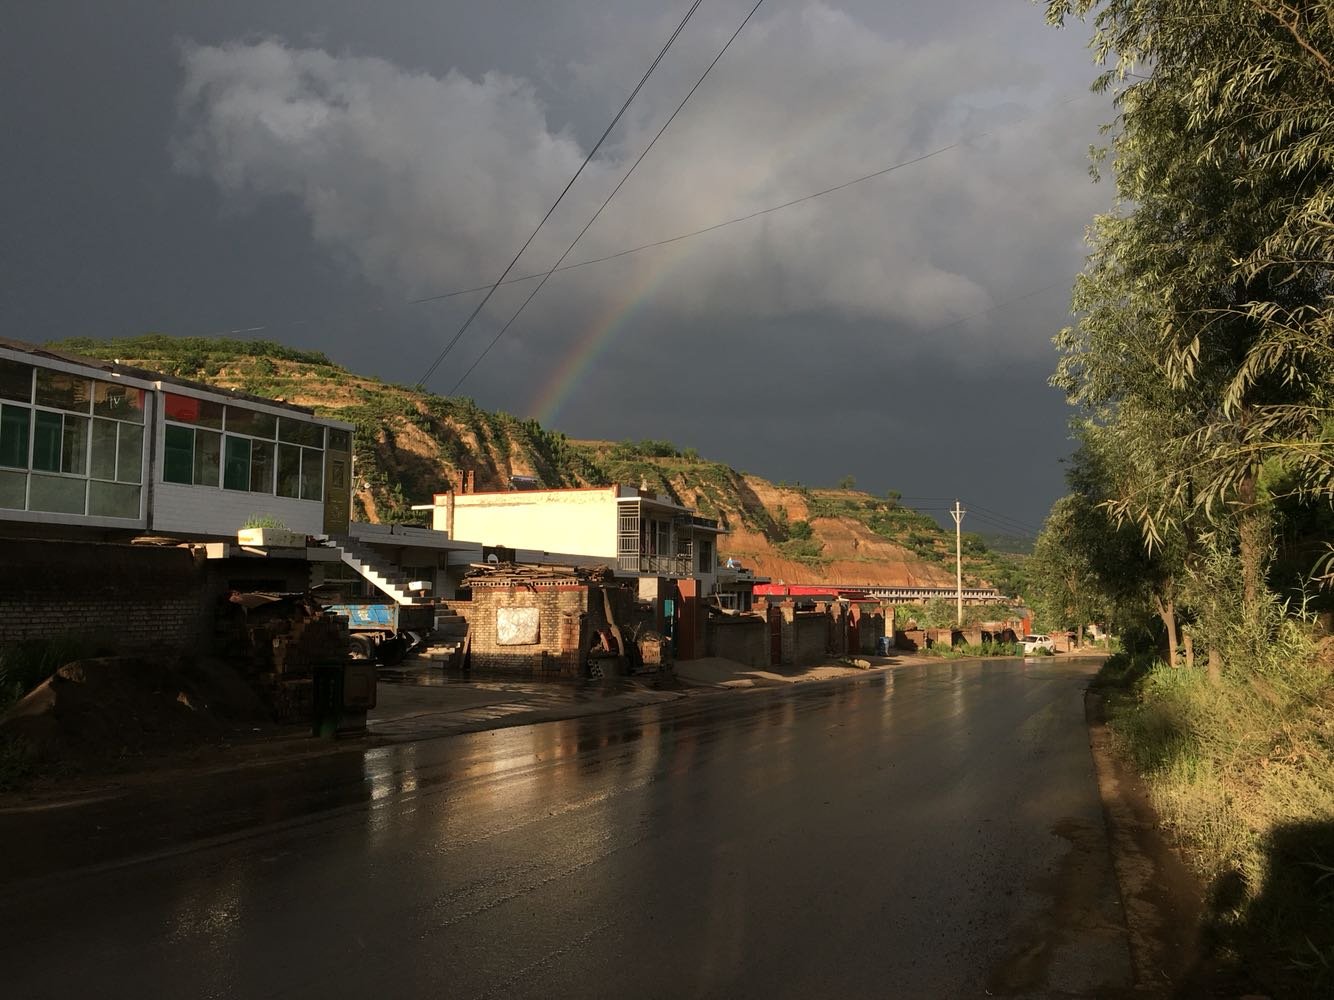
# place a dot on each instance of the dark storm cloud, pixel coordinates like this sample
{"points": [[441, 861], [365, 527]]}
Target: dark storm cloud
{"points": [[305, 167]]}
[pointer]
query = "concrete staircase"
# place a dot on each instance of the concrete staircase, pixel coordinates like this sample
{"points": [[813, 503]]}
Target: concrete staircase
{"points": [[376, 570], [449, 638]]}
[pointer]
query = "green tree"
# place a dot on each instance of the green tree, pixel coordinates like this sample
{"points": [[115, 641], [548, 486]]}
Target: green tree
{"points": [[847, 483], [1205, 314], [1089, 566]]}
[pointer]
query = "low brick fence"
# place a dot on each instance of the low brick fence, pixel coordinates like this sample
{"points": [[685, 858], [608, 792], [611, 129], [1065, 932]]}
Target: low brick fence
{"points": [[743, 638], [810, 638], [126, 598]]}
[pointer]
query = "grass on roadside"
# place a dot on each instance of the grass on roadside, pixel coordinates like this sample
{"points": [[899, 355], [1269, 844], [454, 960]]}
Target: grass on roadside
{"points": [[970, 650], [1241, 772]]}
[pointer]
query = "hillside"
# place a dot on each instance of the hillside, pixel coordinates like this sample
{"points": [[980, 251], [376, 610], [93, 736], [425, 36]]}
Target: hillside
{"points": [[410, 444]]}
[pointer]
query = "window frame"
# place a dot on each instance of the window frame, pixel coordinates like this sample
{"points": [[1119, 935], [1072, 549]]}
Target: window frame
{"points": [[70, 412]]}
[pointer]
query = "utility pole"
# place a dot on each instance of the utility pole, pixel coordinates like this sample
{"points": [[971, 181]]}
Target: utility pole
{"points": [[957, 513]]}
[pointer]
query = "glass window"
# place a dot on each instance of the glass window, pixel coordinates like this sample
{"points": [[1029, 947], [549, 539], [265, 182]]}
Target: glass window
{"points": [[261, 467], [179, 455], [289, 470], [300, 432], [103, 463], [189, 410], [46, 435], [339, 440], [312, 474], [122, 402], [208, 458], [58, 494], [13, 490], [130, 454], [74, 446], [15, 424], [63, 391], [243, 421], [15, 380], [236, 465], [113, 499]]}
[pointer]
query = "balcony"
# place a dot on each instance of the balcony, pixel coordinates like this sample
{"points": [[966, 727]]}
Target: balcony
{"points": [[682, 564]]}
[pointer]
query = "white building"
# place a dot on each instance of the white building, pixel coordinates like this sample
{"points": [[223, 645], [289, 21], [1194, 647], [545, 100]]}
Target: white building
{"points": [[634, 531], [91, 445]]}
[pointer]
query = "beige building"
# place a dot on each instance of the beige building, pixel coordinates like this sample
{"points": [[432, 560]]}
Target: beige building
{"points": [[668, 548], [634, 531]]}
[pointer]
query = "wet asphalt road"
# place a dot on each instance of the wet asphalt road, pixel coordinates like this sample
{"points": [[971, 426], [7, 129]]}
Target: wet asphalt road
{"points": [[927, 832]]}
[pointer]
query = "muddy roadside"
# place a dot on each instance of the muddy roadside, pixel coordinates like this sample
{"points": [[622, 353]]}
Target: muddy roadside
{"points": [[1164, 903]]}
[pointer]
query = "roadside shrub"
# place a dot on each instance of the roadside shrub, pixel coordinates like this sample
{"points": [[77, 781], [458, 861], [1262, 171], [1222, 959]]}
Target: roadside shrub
{"points": [[1123, 669], [24, 665], [264, 521], [972, 650], [1241, 771], [18, 764]]}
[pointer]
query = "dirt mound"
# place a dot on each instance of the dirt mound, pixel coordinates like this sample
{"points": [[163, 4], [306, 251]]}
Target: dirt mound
{"points": [[98, 710]]}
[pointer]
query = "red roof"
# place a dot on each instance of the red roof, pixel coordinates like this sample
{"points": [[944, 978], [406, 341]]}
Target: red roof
{"points": [[810, 590]]}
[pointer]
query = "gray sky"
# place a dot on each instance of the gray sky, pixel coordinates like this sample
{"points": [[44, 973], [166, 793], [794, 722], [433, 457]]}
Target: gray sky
{"points": [[308, 166]]}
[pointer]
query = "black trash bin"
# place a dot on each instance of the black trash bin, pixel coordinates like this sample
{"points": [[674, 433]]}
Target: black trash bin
{"points": [[327, 699]]}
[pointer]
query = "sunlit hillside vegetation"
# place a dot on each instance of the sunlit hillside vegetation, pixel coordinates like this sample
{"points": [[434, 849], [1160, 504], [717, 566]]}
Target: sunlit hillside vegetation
{"points": [[411, 444]]}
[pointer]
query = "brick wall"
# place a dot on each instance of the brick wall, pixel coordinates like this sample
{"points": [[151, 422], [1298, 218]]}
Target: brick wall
{"points": [[743, 638], [810, 638], [562, 617], [910, 639], [870, 627], [568, 615], [127, 597]]}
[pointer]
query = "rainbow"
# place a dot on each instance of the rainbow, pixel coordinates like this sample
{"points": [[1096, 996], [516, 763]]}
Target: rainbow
{"points": [[592, 344], [555, 392]]}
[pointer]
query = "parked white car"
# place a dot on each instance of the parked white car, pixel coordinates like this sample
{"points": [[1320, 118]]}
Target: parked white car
{"points": [[1033, 643]]}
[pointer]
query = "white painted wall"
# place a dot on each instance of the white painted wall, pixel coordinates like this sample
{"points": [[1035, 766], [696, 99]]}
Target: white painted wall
{"points": [[175, 508], [211, 510], [575, 521]]}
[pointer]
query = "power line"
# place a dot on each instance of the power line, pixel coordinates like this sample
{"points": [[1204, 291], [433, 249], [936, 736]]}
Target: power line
{"points": [[996, 515], [1004, 528], [596, 146], [1005, 517], [440, 296], [1003, 523], [993, 518], [671, 118]]}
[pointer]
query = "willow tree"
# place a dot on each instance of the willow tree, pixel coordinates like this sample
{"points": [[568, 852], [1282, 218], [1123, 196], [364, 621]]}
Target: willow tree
{"points": [[1205, 310], [1087, 566]]}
